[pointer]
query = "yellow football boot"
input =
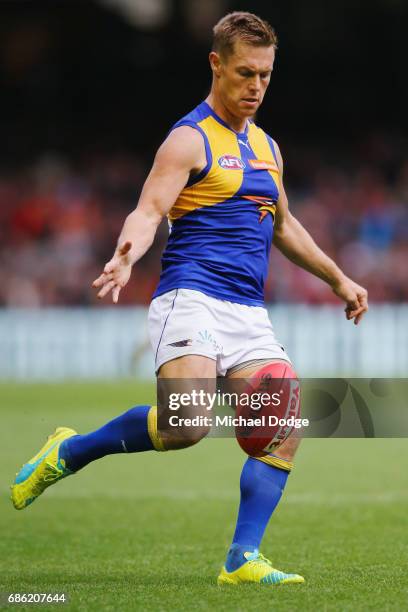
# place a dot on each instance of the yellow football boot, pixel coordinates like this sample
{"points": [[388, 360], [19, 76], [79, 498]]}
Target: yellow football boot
{"points": [[257, 569], [41, 471]]}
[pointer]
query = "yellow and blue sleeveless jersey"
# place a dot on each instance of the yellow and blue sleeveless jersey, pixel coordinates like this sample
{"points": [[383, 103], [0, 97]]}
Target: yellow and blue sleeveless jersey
{"points": [[222, 222]]}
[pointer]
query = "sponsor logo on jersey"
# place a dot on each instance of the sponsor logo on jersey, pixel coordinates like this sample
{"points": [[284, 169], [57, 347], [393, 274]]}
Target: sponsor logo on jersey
{"points": [[231, 162], [263, 164]]}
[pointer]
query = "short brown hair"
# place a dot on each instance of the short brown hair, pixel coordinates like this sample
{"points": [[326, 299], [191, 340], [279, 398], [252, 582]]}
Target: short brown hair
{"points": [[244, 26]]}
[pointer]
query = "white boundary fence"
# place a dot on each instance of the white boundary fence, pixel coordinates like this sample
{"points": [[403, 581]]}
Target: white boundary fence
{"points": [[53, 344]]}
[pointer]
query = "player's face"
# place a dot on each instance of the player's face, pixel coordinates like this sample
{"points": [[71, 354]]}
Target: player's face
{"points": [[243, 78]]}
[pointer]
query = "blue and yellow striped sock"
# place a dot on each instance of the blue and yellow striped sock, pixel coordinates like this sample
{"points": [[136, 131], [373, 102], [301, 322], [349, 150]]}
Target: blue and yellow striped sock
{"points": [[134, 431], [262, 485]]}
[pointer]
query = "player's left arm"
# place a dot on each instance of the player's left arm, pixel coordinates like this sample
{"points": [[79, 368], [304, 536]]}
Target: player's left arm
{"points": [[292, 239]]}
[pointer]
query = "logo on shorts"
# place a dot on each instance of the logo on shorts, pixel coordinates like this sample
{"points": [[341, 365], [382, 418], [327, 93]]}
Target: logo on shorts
{"points": [[181, 343], [230, 162], [206, 337]]}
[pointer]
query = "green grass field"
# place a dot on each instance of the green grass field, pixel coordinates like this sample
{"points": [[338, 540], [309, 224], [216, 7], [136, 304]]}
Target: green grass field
{"points": [[150, 531]]}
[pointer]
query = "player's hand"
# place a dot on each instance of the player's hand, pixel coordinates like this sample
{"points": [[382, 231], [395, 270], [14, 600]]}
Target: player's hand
{"points": [[355, 297], [116, 273]]}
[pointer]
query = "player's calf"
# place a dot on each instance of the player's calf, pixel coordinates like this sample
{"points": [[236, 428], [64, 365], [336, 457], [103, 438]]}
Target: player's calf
{"points": [[188, 436], [287, 450], [185, 426]]}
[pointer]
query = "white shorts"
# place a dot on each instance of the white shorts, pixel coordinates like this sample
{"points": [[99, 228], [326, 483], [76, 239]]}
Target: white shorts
{"points": [[188, 322]]}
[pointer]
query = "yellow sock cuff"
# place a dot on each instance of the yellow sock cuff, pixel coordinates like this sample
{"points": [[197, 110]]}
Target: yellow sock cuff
{"points": [[277, 462], [152, 429]]}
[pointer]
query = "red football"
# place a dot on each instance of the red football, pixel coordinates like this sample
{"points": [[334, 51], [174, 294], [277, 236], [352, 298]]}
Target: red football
{"points": [[268, 408]]}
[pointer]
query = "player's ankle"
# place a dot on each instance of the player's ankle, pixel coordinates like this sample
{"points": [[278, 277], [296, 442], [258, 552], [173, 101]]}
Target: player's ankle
{"points": [[65, 454], [235, 556]]}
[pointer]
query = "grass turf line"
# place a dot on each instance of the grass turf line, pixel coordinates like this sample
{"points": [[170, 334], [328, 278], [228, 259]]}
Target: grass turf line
{"points": [[150, 531]]}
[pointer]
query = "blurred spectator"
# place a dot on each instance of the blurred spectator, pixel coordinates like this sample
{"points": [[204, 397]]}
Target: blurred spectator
{"points": [[59, 224]]}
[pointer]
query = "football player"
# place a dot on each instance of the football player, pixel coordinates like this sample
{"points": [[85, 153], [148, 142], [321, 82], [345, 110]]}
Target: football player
{"points": [[218, 177]]}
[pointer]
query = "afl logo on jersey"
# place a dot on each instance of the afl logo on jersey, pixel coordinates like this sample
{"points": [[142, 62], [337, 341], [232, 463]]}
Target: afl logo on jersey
{"points": [[230, 162]]}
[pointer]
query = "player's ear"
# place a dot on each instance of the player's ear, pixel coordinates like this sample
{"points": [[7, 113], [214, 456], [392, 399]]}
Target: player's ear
{"points": [[215, 63]]}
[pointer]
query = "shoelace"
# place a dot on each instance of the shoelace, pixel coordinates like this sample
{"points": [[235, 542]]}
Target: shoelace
{"points": [[261, 560], [52, 473]]}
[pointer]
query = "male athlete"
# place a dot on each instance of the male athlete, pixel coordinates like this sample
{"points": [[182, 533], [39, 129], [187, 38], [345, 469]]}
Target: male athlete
{"points": [[218, 178]]}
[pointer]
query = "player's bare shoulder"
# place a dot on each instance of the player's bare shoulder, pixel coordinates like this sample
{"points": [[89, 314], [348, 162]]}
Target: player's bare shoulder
{"points": [[184, 147], [278, 154], [282, 209]]}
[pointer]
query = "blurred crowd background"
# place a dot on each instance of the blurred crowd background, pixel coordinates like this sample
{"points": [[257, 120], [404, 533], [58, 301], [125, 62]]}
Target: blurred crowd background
{"points": [[89, 90]]}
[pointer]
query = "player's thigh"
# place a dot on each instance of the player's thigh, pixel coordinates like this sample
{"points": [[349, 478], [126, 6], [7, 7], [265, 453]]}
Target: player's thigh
{"points": [[184, 414], [188, 366], [287, 450], [189, 375]]}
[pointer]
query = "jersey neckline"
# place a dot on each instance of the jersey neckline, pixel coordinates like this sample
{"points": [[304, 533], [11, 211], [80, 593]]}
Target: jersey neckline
{"points": [[224, 123]]}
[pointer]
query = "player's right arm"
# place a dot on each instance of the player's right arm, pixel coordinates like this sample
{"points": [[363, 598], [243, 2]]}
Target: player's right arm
{"points": [[182, 154]]}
